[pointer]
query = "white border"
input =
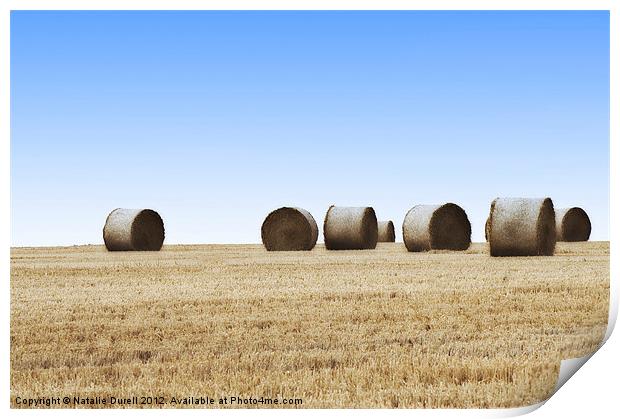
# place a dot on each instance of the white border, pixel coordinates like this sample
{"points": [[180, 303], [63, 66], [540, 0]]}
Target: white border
{"points": [[308, 5], [7, 5]]}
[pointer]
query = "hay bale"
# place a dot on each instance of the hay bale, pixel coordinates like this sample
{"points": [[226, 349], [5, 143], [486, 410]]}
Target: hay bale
{"points": [[133, 229], [572, 225], [427, 227], [386, 231], [289, 228], [522, 227], [487, 228], [350, 228]]}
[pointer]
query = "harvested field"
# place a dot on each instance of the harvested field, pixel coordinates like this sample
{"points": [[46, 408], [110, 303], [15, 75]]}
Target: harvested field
{"points": [[368, 328]]}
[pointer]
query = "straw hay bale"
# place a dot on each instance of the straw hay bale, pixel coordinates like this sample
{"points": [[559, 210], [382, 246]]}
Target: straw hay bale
{"points": [[427, 227], [289, 228], [386, 231], [133, 229], [487, 228], [572, 225], [522, 227], [350, 228]]}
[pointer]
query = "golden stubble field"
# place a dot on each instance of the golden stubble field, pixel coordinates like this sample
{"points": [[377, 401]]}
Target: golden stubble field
{"points": [[375, 328]]}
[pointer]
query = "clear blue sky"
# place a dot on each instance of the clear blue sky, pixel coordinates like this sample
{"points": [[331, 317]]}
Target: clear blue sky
{"points": [[216, 118]]}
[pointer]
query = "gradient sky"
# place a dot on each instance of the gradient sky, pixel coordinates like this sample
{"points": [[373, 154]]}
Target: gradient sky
{"points": [[216, 118]]}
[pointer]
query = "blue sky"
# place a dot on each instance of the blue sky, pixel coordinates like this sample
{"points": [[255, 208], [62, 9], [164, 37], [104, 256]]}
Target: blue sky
{"points": [[216, 118]]}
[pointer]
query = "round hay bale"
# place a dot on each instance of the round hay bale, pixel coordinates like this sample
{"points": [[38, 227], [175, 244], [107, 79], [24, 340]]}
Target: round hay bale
{"points": [[289, 228], [487, 228], [522, 227], [386, 231], [133, 229], [572, 225], [351, 228], [427, 227]]}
